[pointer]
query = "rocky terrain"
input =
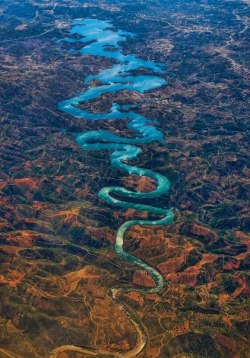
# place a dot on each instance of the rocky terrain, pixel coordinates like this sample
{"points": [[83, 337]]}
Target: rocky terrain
{"points": [[58, 262]]}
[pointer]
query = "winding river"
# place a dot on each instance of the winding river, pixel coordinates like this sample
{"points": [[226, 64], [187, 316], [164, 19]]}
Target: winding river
{"points": [[99, 39]]}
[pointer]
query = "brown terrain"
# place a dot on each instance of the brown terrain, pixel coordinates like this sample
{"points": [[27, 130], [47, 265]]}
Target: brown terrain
{"points": [[58, 262]]}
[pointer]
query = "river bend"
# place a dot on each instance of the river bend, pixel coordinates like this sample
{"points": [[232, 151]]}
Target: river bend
{"points": [[100, 39]]}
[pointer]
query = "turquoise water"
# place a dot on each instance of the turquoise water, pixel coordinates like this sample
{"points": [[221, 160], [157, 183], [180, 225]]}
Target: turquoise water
{"points": [[99, 39]]}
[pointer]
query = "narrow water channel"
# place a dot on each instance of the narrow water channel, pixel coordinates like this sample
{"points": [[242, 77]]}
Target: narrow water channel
{"points": [[99, 39]]}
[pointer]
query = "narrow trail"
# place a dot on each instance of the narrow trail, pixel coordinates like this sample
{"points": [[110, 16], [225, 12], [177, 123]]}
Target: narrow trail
{"points": [[4, 353], [100, 39]]}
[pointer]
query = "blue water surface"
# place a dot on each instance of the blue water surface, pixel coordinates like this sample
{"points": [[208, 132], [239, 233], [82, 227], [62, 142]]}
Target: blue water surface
{"points": [[100, 39]]}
